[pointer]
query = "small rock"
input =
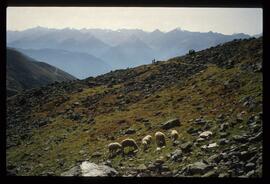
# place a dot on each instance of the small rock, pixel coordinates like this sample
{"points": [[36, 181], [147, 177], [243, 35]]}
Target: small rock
{"points": [[205, 134], [159, 161], [200, 139], [130, 131], [96, 154], [257, 137], [176, 155], [224, 127], [74, 171], [239, 138], [223, 141], [186, 146], [223, 175], [200, 121], [198, 168], [223, 134], [191, 130], [141, 167], [212, 145], [210, 174], [249, 166], [215, 158], [170, 124]]}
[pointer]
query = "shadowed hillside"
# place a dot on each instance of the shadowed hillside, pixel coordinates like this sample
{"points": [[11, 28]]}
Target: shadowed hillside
{"points": [[25, 73]]}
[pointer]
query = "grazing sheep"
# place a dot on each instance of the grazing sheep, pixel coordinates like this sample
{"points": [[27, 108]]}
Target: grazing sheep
{"points": [[129, 143], [114, 147], [174, 135], [146, 141], [160, 139]]}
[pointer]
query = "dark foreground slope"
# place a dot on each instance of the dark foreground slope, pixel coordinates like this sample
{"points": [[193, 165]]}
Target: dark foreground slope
{"points": [[218, 89], [25, 73]]}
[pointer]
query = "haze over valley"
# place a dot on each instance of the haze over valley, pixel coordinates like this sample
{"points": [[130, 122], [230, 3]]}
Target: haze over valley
{"points": [[91, 52]]}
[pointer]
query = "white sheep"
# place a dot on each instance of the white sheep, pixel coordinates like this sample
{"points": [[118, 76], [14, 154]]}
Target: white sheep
{"points": [[160, 139], [174, 135], [146, 141], [114, 147], [129, 143]]}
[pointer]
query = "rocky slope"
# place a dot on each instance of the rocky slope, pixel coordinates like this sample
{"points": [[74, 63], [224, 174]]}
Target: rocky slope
{"points": [[217, 90], [24, 72]]}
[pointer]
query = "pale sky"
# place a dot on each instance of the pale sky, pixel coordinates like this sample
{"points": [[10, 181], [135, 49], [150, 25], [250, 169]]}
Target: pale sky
{"points": [[222, 20]]}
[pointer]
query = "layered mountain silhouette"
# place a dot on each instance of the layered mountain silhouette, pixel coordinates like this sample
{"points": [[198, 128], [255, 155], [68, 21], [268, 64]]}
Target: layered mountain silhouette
{"points": [[24, 72], [119, 49]]}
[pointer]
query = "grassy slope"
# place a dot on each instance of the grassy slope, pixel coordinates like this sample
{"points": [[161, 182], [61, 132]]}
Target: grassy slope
{"points": [[68, 141], [90, 138]]}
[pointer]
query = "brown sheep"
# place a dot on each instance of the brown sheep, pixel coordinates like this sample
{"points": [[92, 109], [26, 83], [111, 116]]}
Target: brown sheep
{"points": [[114, 147], [129, 143], [160, 139], [146, 141], [174, 135]]}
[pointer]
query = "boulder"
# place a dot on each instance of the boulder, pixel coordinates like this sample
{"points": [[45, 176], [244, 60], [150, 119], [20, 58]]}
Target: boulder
{"points": [[92, 169], [74, 171], [199, 168], [171, 124]]}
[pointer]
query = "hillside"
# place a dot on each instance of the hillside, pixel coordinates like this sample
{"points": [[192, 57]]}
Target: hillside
{"points": [[24, 72], [218, 89]]}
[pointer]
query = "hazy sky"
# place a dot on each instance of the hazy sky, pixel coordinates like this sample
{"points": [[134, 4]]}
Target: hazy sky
{"points": [[222, 20]]}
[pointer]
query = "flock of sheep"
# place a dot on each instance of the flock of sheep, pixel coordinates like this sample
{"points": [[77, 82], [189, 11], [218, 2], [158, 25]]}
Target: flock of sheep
{"points": [[116, 147]]}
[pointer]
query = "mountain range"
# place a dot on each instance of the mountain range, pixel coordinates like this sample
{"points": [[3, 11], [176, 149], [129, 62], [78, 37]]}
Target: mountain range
{"points": [[79, 64], [112, 49]]}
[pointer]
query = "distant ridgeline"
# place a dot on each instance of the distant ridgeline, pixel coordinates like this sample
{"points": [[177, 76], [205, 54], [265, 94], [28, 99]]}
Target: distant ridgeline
{"points": [[91, 52]]}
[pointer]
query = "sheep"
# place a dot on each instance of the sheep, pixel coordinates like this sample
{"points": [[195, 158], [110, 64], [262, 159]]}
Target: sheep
{"points": [[114, 147], [174, 135], [160, 139], [146, 141], [129, 143]]}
